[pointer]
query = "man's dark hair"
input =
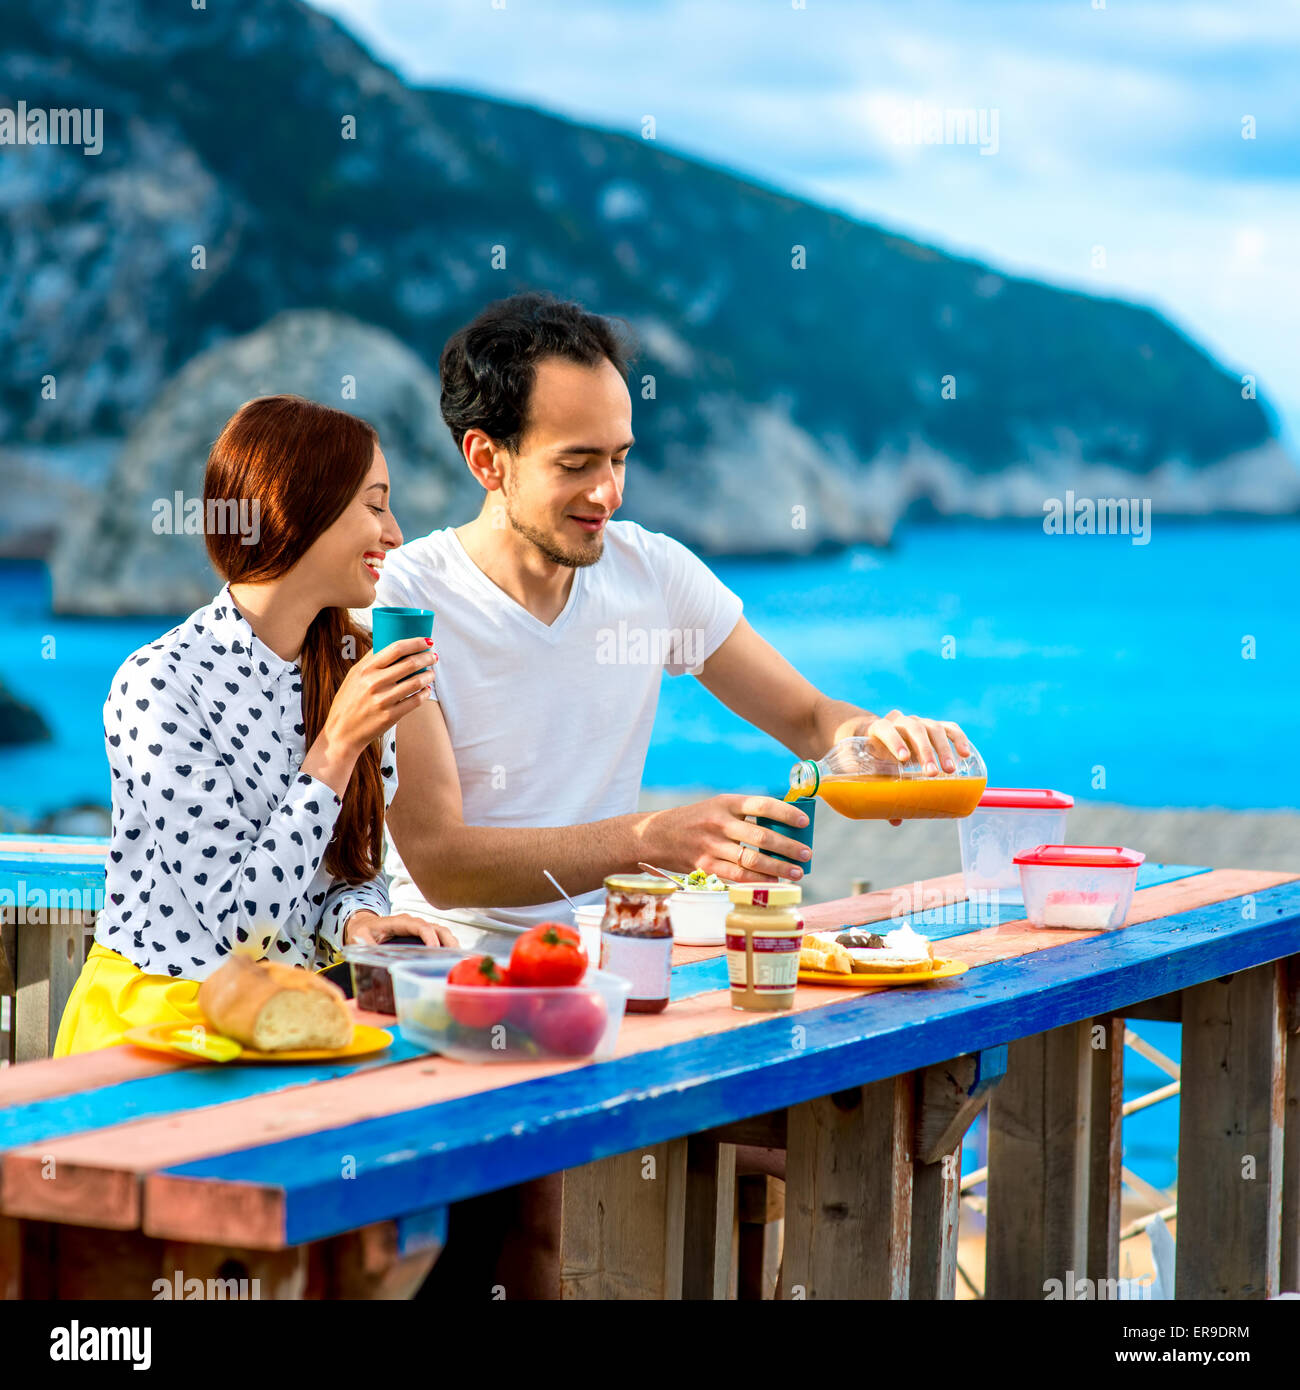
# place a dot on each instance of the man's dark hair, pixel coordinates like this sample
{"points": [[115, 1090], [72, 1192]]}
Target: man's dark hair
{"points": [[488, 366]]}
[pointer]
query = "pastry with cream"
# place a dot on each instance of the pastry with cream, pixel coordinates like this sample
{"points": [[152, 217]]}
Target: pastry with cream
{"points": [[893, 952]]}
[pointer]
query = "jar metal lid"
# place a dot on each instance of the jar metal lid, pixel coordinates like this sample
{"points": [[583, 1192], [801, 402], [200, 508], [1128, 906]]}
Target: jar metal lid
{"points": [[765, 894], [639, 883]]}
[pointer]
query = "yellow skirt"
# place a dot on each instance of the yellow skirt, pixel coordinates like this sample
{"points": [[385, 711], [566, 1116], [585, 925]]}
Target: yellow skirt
{"points": [[112, 995]]}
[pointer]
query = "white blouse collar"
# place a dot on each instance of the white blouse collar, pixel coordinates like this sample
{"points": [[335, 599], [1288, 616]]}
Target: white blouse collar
{"points": [[229, 626]]}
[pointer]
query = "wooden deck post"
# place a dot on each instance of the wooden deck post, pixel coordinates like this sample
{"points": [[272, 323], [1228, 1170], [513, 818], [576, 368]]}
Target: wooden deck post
{"points": [[1039, 1140], [1105, 1148], [948, 1098], [623, 1225], [1290, 1265], [848, 1193], [1230, 1136], [710, 1216], [760, 1214], [936, 1212], [50, 955], [8, 986]]}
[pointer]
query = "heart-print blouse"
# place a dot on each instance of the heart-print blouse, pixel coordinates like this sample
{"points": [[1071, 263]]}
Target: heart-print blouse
{"points": [[218, 837]]}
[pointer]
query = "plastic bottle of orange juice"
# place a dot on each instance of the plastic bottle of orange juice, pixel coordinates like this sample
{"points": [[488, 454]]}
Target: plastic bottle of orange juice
{"points": [[860, 779]]}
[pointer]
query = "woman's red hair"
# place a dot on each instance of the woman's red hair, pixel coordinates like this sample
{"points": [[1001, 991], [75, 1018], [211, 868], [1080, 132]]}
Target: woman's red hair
{"points": [[303, 463]]}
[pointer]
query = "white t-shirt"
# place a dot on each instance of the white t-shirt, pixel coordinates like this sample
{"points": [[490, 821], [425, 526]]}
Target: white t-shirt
{"points": [[550, 725]]}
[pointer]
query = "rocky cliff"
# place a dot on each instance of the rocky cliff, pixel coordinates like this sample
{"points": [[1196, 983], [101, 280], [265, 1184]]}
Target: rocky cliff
{"points": [[19, 722], [777, 408], [129, 552]]}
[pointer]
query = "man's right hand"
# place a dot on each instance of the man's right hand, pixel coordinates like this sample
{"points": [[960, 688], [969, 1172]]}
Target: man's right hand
{"points": [[714, 836]]}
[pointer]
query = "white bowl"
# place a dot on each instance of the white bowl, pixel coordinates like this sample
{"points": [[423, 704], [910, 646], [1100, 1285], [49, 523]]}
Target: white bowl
{"points": [[587, 920], [699, 916]]}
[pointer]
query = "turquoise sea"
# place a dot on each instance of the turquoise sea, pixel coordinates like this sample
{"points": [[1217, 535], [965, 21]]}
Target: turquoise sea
{"points": [[1159, 674], [1154, 675]]}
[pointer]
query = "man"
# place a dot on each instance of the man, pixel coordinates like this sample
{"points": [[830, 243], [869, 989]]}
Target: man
{"points": [[531, 758]]}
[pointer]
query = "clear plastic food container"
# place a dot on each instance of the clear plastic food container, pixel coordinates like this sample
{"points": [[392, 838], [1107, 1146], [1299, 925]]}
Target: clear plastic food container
{"points": [[1008, 821], [699, 916], [372, 986], [474, 1023], [1088, 887]]}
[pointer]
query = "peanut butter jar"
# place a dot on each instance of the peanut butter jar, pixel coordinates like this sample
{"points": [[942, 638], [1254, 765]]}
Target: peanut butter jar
{"points": [[764, 932]]}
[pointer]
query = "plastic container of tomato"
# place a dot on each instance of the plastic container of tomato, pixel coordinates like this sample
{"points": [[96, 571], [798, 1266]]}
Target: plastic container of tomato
{"points": [[1087, 887], [1006, 822], [485, 1023]]}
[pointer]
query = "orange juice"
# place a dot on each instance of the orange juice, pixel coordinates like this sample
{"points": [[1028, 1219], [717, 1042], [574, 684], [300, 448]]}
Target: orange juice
{"points": [[901, 798]]}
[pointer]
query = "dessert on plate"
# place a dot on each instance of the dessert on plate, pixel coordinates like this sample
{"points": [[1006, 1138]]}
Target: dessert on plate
{"points": [[894, 952]]}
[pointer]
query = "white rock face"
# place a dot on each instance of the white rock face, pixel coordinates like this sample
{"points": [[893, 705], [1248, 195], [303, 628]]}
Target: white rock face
{"points": [[110, 559], [752, 481]]}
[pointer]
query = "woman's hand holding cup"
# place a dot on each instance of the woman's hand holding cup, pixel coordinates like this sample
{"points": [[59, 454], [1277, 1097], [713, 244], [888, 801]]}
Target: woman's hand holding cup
{"points": [[381, 688]]}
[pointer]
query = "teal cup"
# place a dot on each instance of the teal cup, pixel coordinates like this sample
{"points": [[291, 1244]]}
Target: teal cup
{"points": [[390, 625], [808, 805]]}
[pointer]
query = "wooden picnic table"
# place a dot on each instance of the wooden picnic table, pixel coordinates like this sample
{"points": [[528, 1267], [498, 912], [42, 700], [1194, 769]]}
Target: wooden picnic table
{"points": [[51, 888], [119, 1167]]}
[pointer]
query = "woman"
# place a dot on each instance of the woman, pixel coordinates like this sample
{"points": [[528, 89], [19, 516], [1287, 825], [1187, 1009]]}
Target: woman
{"points": [[252, 746]]}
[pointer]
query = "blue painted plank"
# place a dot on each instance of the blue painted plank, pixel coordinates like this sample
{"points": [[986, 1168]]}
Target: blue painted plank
{"points": [[186, 1088], [990, 1068], [939, 924], [478, 1143], [25, 873], [54, 842], [421, 1230], [44, 883]]}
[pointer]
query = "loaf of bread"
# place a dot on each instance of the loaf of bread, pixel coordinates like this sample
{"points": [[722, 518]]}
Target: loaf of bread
{"points": [[272, 1007]]}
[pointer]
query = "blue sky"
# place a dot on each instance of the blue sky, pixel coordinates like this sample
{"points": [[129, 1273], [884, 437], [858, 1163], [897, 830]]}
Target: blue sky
{"points": [[1118, 125]]}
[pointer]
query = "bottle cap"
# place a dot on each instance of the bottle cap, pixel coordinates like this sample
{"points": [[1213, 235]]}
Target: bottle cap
{"points": [[765, 894]]}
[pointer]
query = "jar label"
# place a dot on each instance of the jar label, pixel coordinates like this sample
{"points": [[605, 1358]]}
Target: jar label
{"points": [[646, 962], [776, 962]]}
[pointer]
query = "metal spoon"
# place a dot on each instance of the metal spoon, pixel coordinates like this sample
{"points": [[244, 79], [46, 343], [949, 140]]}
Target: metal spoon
{"points": [[555, 883], [678, 879]]}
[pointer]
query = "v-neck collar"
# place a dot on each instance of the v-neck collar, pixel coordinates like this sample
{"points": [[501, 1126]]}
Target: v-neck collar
{"points": [[550, 631]]}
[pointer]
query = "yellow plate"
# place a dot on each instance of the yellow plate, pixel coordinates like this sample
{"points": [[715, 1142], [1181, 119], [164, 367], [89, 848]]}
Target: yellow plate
{"points": [[943, 970], [175, 1038]]}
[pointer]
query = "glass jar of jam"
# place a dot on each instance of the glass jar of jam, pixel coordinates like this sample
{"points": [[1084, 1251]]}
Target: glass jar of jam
{"points": [[636, 938]]}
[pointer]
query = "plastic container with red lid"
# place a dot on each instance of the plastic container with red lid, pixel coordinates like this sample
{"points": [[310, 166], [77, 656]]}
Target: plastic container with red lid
{"points": [[1006, 821], [1085, 887]]}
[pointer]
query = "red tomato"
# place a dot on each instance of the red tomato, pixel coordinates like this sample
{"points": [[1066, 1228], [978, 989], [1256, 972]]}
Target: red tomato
{"points": [[473, 1007], [548, 954], [570, 1024]]}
